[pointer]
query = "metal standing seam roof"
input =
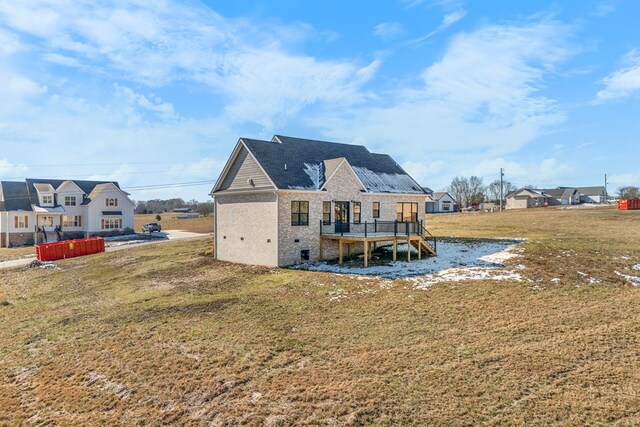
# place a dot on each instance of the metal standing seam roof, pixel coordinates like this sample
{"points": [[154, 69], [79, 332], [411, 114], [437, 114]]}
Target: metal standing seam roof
{"points": [[296, 163]]}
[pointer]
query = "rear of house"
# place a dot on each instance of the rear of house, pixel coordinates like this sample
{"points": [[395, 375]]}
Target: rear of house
{"points": [[275, 199]]}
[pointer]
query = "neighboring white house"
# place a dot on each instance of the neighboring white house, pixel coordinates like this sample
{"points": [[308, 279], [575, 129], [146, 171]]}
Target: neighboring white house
{"points": [[46, 210], [289, 200], [440, 202], [596, 194], [562, 196]]}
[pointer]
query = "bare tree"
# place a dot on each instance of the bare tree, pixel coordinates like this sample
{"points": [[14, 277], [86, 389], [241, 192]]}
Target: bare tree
{"points": [[459, 190], [629, 192], [493, 190], [476, 191]]}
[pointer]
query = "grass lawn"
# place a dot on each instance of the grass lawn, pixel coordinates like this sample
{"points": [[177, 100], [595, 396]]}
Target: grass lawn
{"points": [[169, 221], [163, 335], [14, 253]]}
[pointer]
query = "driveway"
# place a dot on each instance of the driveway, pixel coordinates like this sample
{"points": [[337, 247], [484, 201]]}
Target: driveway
{"points": [[170, 235]]}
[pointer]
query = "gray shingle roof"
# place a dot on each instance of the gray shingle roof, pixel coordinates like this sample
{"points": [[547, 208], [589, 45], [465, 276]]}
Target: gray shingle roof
{"points": [[22, 195], [296, 163], [560, 192], [15, 195]]}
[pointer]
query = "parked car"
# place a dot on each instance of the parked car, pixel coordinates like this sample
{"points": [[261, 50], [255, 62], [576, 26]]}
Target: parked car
{"points": [[150, 227]]}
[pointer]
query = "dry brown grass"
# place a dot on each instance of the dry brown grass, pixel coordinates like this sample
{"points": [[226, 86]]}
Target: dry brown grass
{"points": [[14, 253], [169, 221], [161, 335]]}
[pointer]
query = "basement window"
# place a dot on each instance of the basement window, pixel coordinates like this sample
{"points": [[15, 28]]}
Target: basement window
{"points": [[304, 255]]}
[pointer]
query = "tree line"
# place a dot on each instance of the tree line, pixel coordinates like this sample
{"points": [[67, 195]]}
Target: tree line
{"points": [[157, 206], [472, 190]]}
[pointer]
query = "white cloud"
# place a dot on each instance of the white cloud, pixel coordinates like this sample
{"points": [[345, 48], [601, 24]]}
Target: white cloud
{"points": [[10, 170], [481, 95], [624, 179], [388, 30], [153, 104], [244, 62], [623, 82], [447, 21]]}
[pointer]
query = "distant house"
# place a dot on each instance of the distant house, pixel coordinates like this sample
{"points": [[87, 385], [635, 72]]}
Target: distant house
{"points": [[182, 210], [526, 198], [290, 200], [489, 207], [592, 194], [440, 202], [562, 196], [45, 210]]}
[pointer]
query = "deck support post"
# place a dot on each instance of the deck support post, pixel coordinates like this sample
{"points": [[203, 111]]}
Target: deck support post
{"points": [[409, 249], [321, 247], [419, 249], [395, 249], [340, 251], [366, 253]]}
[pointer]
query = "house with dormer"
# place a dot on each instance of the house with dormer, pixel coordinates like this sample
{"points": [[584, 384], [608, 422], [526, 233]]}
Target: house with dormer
{"points": [[292, 200], [45, 210]]}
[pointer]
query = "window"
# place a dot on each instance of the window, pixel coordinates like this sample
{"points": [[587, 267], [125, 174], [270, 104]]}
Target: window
{"points": [[357, 212], [111, 223], [46, 221], [71, 221], [299, 213], [69, 200], [47, 200], [326, 213], [376, 209], [21, 222], [407, 212], [446, 206], [111, 202]]}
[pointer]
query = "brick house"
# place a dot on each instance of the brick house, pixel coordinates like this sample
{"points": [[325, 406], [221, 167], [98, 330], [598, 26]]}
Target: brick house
{"points": [[46, 210], [290, 200]]}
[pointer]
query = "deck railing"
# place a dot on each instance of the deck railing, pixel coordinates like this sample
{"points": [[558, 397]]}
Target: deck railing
{"points": [[371, 229]]}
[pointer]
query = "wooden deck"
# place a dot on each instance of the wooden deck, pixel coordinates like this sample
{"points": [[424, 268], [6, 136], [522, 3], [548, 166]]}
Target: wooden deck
{"points": [[370, 242]]}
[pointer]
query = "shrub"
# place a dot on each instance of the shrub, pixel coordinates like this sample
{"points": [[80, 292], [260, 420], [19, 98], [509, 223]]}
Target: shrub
{"points": [[158, 218]]}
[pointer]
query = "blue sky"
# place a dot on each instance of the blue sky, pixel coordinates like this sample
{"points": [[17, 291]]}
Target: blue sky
{"points": [[151, 93]]}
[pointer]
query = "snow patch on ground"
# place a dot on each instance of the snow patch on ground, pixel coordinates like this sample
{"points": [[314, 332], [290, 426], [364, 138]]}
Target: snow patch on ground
{"points": [[463, 275], [633, 280], [475, 256]]}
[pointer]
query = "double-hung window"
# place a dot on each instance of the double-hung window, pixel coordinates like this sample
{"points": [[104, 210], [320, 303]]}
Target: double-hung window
{"points": [[357, 212], [376, 210], [299, 213], [326, 213]]}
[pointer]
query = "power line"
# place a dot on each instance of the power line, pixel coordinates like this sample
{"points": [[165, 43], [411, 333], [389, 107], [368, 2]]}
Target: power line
{"points": [[91, 164]]}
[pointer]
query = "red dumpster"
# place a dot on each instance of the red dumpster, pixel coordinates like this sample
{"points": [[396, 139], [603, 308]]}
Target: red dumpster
{"points": [[69, 248], [629, 204]]}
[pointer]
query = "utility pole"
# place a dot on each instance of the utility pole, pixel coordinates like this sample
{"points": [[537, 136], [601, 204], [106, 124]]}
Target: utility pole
{"points": [[501, 188], [606, 192]]}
